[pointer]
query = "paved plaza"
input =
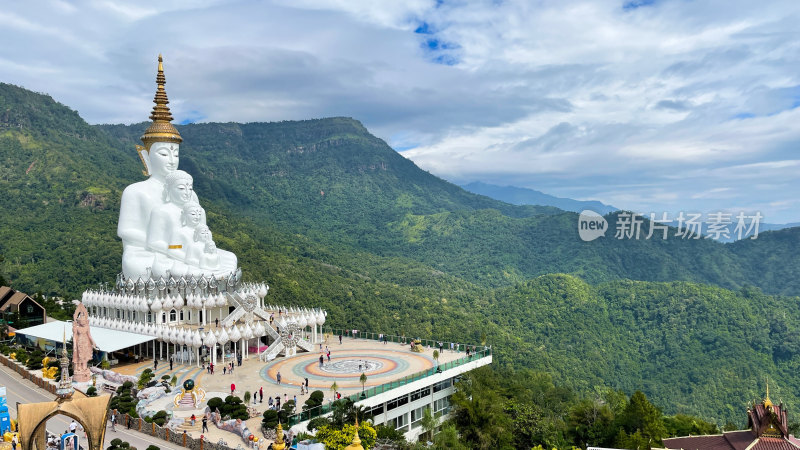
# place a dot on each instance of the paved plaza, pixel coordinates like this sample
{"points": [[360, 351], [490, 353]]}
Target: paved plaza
{"points": [[382, 363]]}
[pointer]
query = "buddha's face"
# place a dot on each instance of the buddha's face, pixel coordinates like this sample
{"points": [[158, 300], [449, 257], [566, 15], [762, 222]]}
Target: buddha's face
{"points": [[163, 158], [203, 235], [180, 191], [194, 216]]}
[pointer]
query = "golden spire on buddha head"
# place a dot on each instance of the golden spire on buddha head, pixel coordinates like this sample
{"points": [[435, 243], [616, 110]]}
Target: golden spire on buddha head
{"points": [[161, 130]]}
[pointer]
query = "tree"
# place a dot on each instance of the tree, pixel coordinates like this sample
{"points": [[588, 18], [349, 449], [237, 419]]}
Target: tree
{"points": [[334, 388], [337, 439], [642, 418], [429, 423], [590, 424], [363, 380], [247, 397], [436, 358], [448, 438], [479, 417]]}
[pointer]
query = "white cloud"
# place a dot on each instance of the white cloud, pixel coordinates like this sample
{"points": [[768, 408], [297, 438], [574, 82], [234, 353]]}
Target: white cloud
{"points": [[651, 108]]}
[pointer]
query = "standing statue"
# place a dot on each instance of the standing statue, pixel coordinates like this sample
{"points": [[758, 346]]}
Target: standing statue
{"points": [[82, 344], [142, 252]]}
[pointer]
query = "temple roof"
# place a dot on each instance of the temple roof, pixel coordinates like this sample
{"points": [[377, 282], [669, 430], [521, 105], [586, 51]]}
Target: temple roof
{"points": [[769, 430]]}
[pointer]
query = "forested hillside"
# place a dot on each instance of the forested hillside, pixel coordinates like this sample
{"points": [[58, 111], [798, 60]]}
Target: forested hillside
{"points": [[331, 180], [331, 216]]}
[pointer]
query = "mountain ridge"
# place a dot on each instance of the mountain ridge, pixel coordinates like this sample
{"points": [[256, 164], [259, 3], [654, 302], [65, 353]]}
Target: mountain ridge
{"points": [[525, 196], [393, 249]]}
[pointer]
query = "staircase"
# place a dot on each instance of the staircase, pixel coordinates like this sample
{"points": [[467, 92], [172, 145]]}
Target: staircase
{"points": [[187, 425]]}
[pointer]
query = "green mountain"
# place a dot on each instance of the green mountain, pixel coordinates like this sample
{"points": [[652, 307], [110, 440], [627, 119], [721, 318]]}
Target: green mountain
{"points": [[331, 216], [331, 180]]}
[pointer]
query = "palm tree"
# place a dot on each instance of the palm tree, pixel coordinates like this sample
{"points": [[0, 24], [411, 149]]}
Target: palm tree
{"points": [[334, 388], [363, 380]]}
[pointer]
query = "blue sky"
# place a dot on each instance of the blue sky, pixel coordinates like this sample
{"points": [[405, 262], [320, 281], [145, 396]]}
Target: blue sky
{"points": [[667, 105]]}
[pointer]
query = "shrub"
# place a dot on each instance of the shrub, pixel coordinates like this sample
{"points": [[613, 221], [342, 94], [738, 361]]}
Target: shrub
{"points": [[215, 404], [91, 392], [247, 397], [389, 433], [153, 447], [339, 439], [314, 400], [270, 419], [287, 409], [234, 408], [145, 378], [317, 423], [159, 418]]}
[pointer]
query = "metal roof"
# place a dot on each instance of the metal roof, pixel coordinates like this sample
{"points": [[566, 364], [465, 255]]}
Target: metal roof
{"points": [[106, 339]]}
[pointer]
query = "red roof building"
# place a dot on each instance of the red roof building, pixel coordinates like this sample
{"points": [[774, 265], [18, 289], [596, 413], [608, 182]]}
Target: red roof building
{"points": [[769, 430]]}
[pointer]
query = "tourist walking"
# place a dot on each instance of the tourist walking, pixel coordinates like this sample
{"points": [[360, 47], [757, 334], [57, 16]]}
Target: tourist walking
{"points": [[193, 419], [233, 388], [261, 394], [155, 364], [205, 425], [340, 338], [224, 370], [321, 360], [170, 363], [114, 421], [278, 377], [216, 321]]}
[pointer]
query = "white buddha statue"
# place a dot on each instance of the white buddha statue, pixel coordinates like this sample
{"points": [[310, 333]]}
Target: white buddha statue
{"points": [[160, 156], [193, 216]]}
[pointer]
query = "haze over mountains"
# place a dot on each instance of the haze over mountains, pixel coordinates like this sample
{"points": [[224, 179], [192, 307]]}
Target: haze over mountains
{"points": [[330, 215], [524, 196]]}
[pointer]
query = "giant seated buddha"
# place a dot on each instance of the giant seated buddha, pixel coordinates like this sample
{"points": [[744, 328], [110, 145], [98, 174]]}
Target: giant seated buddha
{"points": [[147, 247]]}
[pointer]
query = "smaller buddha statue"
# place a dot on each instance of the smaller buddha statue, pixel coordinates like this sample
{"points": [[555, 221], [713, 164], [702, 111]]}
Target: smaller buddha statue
{"points": [[187, 249], [203, 239], [163, 231]]}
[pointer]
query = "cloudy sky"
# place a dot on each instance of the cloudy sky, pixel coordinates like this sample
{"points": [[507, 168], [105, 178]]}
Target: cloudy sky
{"points": [[649, 105]]}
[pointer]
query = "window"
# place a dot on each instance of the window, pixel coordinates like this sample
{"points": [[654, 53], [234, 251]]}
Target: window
{"points": [[376, 410], [443, 404], [30, 309], [399, 423], [149, 317], [181, 314], [173, 316], [442, 385], [163, 317], [400, 401], [416, 416], [420, 393]]}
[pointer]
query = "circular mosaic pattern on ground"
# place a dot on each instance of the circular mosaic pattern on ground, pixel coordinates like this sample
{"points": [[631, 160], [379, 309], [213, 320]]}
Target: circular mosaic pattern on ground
{"points": [[382, 365], [352, 366]]}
